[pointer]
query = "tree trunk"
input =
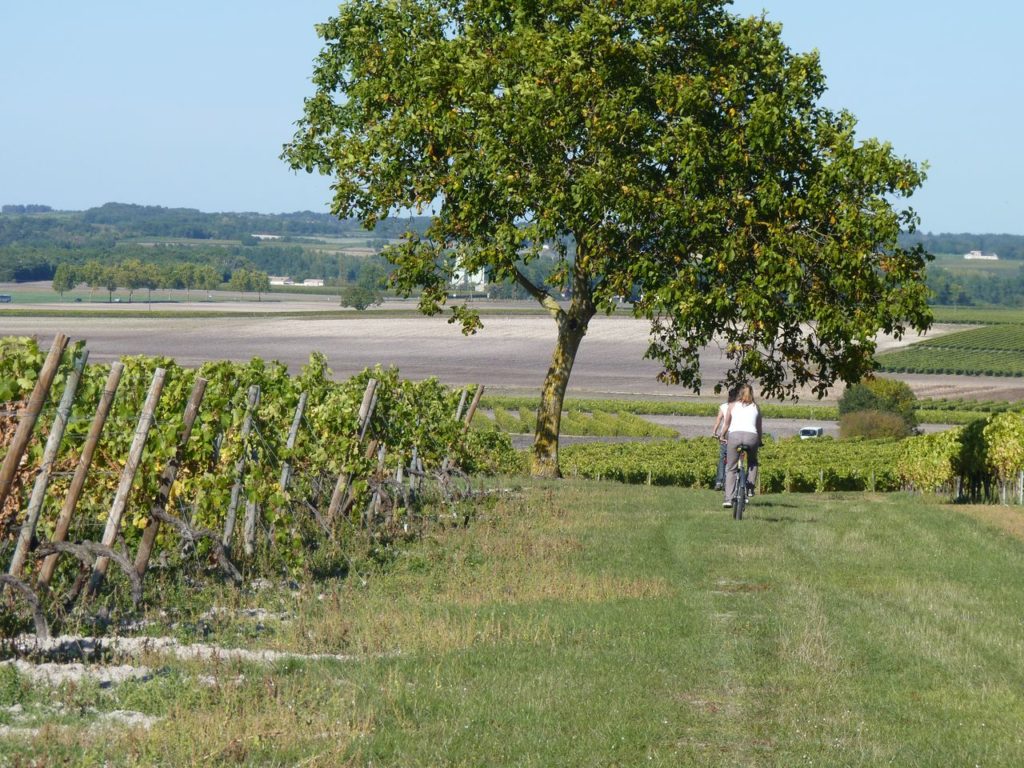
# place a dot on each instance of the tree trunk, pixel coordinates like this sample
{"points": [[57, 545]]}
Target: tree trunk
{"points": [[572, 326]]}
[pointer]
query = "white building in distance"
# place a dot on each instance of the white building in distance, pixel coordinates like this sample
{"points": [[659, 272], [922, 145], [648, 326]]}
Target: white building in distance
{"points": [[979, 256], [474, 280]]}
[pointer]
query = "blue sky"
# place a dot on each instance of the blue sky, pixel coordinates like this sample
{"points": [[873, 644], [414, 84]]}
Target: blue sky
{"points": [[188, 103]]}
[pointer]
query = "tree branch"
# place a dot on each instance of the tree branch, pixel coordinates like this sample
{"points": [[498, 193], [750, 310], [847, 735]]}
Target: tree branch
{"points": [[546, 299]]}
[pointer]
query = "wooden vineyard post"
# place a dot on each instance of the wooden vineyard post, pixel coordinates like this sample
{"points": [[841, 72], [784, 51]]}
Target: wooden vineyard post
{"points": [[373, 510], [249, 528], [35, 504], [82, 470], [27, 418], [365, 414], [472, 407], [128, 477], [286, 470], [447, 463], [414, 469], [462, 404], [167, 478], [251, 507], [236, 489]]}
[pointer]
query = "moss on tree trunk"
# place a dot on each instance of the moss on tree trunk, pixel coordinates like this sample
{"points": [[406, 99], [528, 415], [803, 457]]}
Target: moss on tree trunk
{"points": [[571, 329]]}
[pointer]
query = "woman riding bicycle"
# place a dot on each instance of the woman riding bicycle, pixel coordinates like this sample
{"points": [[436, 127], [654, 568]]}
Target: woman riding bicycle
{"points": [[742, 427]]}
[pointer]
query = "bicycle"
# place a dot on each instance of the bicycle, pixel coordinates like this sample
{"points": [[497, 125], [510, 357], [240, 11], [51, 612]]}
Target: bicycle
{"points": [[739, 495]]}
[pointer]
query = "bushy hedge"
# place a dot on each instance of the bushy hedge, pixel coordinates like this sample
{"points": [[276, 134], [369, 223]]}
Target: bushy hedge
{"points": [[872, 425]]}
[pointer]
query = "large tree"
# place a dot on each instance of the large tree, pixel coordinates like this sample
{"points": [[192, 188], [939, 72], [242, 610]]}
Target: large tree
{"points": [[668, 149]]}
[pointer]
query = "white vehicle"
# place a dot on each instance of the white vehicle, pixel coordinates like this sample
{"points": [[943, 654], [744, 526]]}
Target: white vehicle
{"points": [[807, 433]]}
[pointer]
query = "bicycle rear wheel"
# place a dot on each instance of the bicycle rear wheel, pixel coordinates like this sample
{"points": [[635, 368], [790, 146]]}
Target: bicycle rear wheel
{"points": [[739, 499]]}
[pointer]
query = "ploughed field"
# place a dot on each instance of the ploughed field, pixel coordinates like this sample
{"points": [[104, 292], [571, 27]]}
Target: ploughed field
{"points": [[511, 354]]}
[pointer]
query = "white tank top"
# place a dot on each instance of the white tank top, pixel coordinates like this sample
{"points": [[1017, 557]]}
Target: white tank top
{"points": [[744, 418]]}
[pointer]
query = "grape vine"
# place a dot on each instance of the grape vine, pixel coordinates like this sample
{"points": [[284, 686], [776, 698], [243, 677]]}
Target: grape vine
{"points": [[410, 420]]}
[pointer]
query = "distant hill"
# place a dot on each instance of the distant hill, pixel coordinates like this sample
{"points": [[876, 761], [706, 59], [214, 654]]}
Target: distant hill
{"points": [[37, 224], [34, 239]]}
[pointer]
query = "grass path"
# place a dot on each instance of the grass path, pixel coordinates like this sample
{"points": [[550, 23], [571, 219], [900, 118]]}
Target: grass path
{"points": [[592, 624]]}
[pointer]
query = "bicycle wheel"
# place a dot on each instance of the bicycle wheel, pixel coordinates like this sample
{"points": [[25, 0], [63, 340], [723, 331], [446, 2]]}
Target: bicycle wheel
{"points": [[739, 499]]}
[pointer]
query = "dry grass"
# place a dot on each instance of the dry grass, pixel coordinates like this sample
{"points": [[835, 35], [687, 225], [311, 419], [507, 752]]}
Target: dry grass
{"points": [[1007, 519], [461, 587]]}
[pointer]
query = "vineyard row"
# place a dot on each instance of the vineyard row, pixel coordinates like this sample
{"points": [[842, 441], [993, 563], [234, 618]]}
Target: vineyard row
{"points": [[981, 461], [241, 466], [961, 362]]}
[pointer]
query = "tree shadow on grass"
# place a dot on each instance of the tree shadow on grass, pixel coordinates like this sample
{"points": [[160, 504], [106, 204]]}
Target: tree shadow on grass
{"points": [[782, 519], [766, 511]]}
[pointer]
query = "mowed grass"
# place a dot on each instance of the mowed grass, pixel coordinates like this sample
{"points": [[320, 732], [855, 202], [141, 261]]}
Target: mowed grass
{"points": [[593, 624]]}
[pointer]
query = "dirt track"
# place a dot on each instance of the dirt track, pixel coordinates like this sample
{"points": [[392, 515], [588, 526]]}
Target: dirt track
{"points": [[511, 353]]}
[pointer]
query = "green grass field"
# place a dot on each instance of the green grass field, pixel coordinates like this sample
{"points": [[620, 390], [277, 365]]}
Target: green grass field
{"points": [[590, 624]]}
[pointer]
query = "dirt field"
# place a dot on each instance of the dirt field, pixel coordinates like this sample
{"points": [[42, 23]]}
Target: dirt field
{"points": [[511, 354]]}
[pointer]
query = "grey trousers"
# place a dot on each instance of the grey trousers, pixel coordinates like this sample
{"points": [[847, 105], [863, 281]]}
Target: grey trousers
{"points": [[732, 458]]}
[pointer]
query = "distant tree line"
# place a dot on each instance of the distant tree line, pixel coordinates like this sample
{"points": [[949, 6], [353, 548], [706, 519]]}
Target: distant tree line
{"points": [[135, 275], [23, 263], [117, 221], [965, 289]]}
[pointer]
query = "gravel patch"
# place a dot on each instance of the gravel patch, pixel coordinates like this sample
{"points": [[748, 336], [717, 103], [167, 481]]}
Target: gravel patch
{"points": [[68, 646], [126, 718], [14, 731], [52, 673]]}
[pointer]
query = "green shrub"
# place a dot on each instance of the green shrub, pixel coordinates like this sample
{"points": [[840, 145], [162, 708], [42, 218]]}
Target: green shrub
{"points": [[873, 425], [884, 395]]}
